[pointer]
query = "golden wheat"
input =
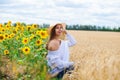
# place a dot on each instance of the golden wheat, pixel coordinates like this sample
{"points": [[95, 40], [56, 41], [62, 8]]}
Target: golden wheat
{"points": [[96, 56]]}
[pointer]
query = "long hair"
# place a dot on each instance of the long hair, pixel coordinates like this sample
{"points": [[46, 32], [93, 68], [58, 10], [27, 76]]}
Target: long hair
{"points": [[52, 34]]}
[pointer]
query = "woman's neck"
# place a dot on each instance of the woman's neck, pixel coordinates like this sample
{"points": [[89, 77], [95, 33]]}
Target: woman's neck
{"points": [[57, 37]]}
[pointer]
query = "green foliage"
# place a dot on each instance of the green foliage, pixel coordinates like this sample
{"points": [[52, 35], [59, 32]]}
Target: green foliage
{"points": [[22, 49]]}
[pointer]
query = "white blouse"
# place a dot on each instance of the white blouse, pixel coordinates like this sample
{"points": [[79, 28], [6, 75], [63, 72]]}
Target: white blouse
{"points": [[60, 58]]}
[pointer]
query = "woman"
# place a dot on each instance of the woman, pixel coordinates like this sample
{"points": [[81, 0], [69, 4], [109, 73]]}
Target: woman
{"points": [[58, 50]]}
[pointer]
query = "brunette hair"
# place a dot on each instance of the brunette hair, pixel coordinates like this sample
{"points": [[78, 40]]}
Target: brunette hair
{"points": [[52, 34]]}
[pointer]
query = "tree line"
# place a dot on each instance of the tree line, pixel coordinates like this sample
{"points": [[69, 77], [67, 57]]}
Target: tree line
{"points": [[81, 27], [89, 27], [92, 28]]}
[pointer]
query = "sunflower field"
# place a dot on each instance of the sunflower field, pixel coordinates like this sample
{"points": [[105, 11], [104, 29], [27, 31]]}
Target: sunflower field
{"points": [[22, 52]]}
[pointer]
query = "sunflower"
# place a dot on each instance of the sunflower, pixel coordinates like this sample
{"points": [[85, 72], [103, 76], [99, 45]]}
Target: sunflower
{"points": [[43, 34], [26, 50], [38, 42], [0, 25], [34, 26], [12, 35], [37, 32], [2, 29], [25, 40], [18, 24], [28, 28], [6, 35], [9, 22], [2, 37], [14, 31], [6, 52], [9, 37], [32, 36], [22, 28], [7, 27]]}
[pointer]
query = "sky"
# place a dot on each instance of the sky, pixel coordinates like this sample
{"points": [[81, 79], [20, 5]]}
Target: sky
{"points": [[84, 12]]}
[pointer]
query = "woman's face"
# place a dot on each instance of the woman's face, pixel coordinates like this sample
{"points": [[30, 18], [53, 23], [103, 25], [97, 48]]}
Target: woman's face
{"points": [[58, 30]]}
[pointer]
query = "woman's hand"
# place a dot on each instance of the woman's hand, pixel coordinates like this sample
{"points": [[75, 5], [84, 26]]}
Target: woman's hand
{"points": [[64, 31], [64, 28]]}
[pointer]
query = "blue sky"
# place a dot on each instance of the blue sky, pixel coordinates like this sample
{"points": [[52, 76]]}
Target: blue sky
{"points": [[93, 12]]}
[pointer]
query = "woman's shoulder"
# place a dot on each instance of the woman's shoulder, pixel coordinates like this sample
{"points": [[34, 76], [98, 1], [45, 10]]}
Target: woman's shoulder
{"points": [[53, 45], [53, 42]]}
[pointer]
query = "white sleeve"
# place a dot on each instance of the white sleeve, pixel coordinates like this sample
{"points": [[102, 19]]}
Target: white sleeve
{"points": [[71, 40]]}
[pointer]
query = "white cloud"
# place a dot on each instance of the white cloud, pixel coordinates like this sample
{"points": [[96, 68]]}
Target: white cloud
{"points": [[99, 12]]}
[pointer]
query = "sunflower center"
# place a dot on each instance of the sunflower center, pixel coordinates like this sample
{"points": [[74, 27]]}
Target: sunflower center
{"points": [[38, 42], [35, 26], [1, 37], [42, 34], [14, 32], [6, 35], [3, 30], [0, 25], [26, 50], [28, 28], [7, 26], [18, 24], [6, 52], [25, 40]]}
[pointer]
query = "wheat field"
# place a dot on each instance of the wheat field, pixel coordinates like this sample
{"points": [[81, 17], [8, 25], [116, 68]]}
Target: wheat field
{"points": [[96, 56]]}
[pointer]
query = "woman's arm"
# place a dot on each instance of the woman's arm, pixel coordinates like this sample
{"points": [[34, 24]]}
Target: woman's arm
{"points": [[71, 40]]}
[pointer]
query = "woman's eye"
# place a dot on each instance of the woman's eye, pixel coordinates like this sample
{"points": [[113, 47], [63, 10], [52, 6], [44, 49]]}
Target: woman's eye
{"points": [[59, 28]]}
